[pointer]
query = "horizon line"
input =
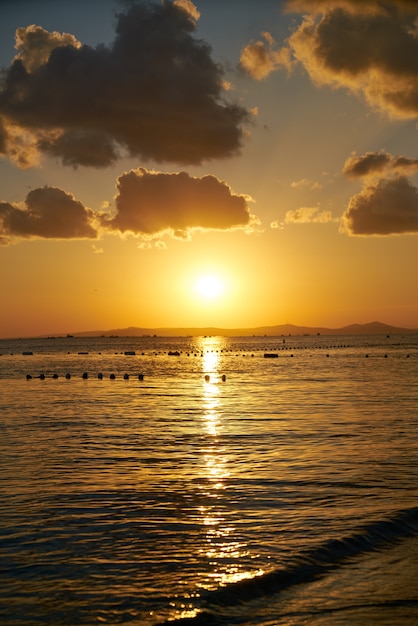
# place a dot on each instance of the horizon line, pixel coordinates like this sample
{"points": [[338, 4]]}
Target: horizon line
{"points": [[354, 328]]}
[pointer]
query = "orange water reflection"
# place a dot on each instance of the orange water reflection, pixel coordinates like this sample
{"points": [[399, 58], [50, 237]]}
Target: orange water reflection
{"points": [[226, 554]]}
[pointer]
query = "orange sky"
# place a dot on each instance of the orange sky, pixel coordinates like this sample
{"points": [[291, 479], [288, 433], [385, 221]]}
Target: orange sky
{"points": [[271, 147]]}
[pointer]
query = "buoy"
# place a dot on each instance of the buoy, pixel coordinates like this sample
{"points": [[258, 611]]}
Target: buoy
{"points": [[112, 377], [207, 378], [100, 376], [223, 377], [140, 377], [28, 377], [55, 376], [42, 376], [125, 376], [68, 375], [85, 375]]}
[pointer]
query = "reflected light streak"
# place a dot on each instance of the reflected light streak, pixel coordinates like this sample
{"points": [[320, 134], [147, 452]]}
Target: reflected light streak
{"points": [[223, 551]]}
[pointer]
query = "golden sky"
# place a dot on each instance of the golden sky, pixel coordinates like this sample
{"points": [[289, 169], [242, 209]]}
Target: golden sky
{"points": [[207, 163]]}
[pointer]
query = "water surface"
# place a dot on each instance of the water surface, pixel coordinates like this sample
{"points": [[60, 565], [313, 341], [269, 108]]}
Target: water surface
{"points": [[284, 494]]}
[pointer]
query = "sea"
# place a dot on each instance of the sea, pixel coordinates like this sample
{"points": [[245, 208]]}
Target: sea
{"points": [[259, 481]]}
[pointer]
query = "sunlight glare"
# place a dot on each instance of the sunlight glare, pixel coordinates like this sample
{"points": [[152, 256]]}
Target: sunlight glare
{"points": [[209, 286]]}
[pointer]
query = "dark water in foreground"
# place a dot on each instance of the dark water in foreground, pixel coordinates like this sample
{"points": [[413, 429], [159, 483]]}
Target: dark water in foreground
{"points": [[285, 494]]}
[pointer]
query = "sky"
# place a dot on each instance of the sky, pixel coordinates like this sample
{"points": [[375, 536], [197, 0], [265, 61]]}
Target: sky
{"points": [[225, 163]]}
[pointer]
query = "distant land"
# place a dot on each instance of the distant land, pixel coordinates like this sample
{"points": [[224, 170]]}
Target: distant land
{"points": [[373, 328]]}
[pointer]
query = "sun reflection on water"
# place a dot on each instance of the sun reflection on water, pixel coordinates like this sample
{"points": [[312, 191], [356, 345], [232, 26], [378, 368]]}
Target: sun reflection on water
{"points": [[226, 554]]}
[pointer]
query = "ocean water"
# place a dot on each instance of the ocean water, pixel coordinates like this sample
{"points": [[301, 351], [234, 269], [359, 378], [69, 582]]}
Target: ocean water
{"points": [[210, 486]]}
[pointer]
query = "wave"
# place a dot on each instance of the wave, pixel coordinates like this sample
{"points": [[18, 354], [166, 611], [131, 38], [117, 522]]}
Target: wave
{"points": [[308, 565]]}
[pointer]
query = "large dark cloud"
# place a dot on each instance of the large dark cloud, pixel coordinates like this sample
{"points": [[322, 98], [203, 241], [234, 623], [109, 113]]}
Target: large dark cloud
{"points": [[387, 207], [151, 203], [366, 47], [155, 93], [48, 213]]}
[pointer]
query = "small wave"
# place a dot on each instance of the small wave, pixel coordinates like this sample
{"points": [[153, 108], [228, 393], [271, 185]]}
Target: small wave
{"points": [[309, 565]]}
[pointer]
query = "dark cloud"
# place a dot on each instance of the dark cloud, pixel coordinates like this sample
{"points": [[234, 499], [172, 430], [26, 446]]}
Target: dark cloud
{"points": [[155, 93], [386, 208], [147, 204], [366, 6], [375, 163], [77, 147], [369, 48], [3, 138], [49, 213], [151, 203], [374, 52]]}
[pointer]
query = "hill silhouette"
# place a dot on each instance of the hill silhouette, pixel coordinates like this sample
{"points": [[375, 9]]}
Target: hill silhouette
{"points": [[372, 328]]}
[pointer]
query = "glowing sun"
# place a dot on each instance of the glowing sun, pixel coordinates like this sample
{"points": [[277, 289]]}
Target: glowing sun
{"points": [[209, 286]]}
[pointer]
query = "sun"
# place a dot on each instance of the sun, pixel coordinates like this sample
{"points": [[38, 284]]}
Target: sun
{"points": [[209, 286]]}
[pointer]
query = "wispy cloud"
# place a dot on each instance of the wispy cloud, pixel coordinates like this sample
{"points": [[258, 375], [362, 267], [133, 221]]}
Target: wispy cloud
{"points": [[308, 215], [313, 185], [154, 93], [260, 58]]}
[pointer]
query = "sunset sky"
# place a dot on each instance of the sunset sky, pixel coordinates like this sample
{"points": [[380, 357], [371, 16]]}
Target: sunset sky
{"points": [[228, 163]]}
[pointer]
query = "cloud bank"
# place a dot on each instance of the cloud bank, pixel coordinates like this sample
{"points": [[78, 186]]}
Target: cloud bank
{"points": [[148, 204], [154, 93], [369, 48], [152, 203]]}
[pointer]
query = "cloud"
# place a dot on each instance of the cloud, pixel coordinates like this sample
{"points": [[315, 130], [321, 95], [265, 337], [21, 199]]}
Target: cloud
{"points": [[308, 215], [305, 182], [78, 147], [48, 213], [371, 52], [35, 44], [151, 203], [261, 58], [3, 138], [365, 6], [148, 204], [387, 207], [369, 48], [155, 93], [376, 163]]}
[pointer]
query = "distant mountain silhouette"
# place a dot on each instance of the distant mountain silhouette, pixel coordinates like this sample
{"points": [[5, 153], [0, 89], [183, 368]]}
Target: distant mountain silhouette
{"points": [[373, 328]]}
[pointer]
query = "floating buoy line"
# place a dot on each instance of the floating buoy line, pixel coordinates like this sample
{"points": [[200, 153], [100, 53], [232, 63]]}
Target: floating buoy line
{"points": [[275, 352], [84, 376]]}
